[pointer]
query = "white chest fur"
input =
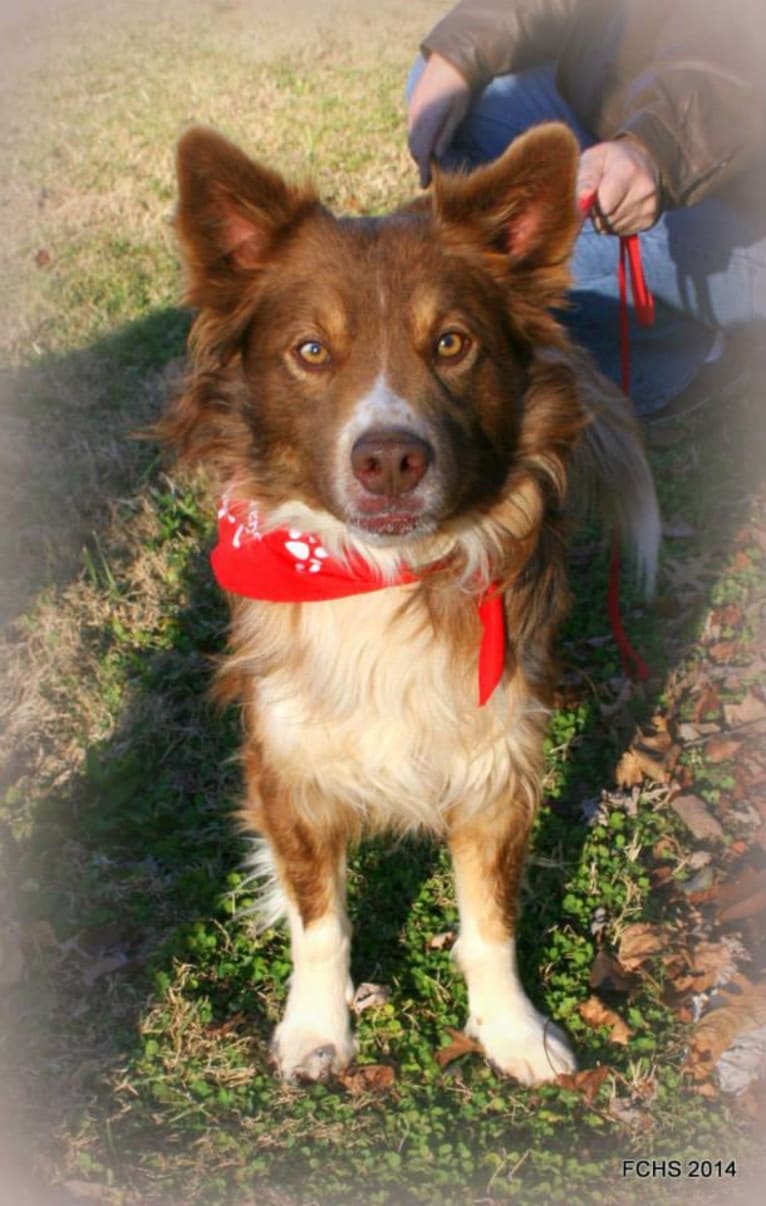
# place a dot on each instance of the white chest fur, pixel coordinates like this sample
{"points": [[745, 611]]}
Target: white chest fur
{"points": [[370, 709]]}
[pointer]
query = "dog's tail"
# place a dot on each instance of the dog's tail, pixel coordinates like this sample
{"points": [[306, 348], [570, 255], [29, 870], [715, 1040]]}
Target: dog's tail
{"points": [[610, 474]]}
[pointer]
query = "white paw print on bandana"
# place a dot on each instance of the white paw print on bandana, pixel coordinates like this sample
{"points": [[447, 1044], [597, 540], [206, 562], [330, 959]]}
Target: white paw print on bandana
{"points": [[307, 551]]}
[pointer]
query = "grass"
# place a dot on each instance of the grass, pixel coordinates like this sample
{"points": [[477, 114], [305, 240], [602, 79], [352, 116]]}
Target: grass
{"points": [[140, 1002]]}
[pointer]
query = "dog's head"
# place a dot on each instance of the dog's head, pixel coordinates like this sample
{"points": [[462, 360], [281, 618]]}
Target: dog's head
{"points": [[380, 370]]}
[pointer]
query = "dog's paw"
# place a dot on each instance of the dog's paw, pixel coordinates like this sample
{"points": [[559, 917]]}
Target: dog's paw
{"points": [[524, 1044], [303, 1053]]}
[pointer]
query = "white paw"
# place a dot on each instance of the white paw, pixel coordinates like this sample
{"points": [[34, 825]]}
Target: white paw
{"points": [[524, 1044], [310, 1051]]}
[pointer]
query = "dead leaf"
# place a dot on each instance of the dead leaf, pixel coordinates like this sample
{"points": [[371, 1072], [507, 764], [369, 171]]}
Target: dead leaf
{"points": [[370, 996], [641, 942], [710, 964], [743, 1010], [219, 1029], [441, 942], [688, 732], [752, 710], [639, 763], [657, 736], [587, 1082], [730, 616], [708, 704], [629, 771], [370, 1078], [721, 749], [743, 896], [743, 1062], [595, 1013], [608, 975], [461, 1044], [652, 755], [697, 817], [723, 651]]}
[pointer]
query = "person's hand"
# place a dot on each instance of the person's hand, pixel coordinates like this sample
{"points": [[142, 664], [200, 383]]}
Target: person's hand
{"points": [[438, 104], [625, 180]]}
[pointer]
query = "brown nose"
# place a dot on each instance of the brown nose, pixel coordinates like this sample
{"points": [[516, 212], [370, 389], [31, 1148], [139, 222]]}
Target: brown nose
{"points": [[390, 462]]}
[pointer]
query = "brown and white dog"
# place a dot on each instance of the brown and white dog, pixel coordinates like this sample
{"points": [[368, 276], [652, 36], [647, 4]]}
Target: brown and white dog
{"points": [[394, 394]]}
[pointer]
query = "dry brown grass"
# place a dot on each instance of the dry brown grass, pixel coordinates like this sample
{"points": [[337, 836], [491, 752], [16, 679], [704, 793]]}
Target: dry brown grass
{"points": [[94, 96]]}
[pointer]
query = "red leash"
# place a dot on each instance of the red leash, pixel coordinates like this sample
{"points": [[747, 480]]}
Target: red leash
{"points": [[629, 263]]}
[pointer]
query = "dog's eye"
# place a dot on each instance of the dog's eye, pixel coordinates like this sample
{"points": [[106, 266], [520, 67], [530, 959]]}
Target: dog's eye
{"points": [[313, 354], [452, 346]]}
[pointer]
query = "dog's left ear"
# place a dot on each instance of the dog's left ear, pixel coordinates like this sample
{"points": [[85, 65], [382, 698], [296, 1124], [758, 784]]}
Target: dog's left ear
{"points": [[521, 207]]}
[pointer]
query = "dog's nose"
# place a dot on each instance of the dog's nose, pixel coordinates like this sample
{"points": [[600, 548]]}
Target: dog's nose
{"points": [[390, 462]]}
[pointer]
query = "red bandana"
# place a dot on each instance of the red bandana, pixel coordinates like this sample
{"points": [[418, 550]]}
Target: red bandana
{"points": [[292, 567]]}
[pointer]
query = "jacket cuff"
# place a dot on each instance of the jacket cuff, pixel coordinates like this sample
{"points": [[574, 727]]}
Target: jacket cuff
{"points": [[676, 189]]}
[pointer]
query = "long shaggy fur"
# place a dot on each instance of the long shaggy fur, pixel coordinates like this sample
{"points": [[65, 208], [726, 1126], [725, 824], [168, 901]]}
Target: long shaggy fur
{"points": [[315, 334]]}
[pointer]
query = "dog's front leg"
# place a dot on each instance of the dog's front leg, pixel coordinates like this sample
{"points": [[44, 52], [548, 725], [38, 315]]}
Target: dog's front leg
{"points": [[314, 1038], [488, 854]]}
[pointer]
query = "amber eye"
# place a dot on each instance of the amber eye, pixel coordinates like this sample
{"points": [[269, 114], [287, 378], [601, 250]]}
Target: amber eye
{"points": [[452, 346], [313, 354]]}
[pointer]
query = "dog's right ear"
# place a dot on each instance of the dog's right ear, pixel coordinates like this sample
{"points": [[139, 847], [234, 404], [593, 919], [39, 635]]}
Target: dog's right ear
{"points": [[231, 212]]}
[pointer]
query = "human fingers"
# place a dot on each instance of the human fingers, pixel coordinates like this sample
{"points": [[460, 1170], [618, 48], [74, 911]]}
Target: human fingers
{"points": [[590, 173], [425, 135], [628, 194], [438, 104]]}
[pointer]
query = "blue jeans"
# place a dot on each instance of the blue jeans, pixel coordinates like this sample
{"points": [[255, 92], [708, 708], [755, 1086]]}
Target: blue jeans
{"points": [[705, 265]]}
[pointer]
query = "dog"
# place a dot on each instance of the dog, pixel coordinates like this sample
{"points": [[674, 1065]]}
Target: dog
{"points": [[399, 432]]}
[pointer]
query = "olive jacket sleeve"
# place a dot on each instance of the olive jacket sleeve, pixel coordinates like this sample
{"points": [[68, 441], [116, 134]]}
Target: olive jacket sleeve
{"points": [[485, 38]]}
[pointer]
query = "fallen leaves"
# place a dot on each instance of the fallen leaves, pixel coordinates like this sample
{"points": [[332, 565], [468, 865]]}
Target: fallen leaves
{"points": [[742, 896], [641, 942], [368, 1078], [444, 941], [742, 1010], [710, 964], [721, 749], [370, 996], [697, 817], [596, 1014], [662, 955], [461, 1044], [750, 711], [608, 975], [586, 1082], [708, 704], [652, 755]]}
